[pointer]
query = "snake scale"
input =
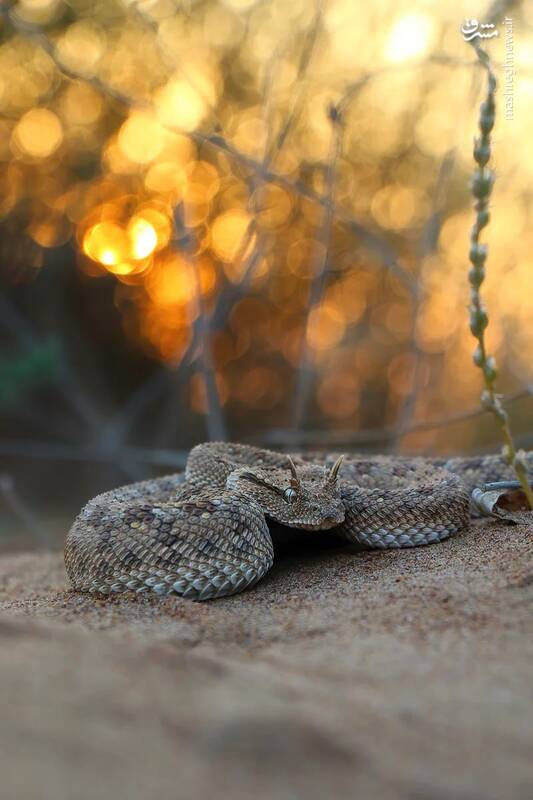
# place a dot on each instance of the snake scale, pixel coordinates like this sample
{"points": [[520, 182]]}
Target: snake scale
{"points": [[205, 534]]}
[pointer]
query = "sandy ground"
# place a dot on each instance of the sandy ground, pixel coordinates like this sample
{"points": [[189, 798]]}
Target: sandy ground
{"points": [[393, 675]]}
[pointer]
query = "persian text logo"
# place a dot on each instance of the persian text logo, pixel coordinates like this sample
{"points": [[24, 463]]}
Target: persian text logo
{"points": [[472, 29], [508, 69]]}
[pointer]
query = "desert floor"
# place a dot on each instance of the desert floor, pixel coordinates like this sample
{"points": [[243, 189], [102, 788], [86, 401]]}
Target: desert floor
{"points": [[404, 674]]}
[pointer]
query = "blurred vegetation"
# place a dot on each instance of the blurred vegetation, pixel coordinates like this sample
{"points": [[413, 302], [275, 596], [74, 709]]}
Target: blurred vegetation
{"points": [[251, 218], [24, 373]]}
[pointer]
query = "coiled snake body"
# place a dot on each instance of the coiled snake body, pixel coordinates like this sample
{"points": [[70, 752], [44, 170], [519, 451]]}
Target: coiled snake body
{"points": [[205, 534]]}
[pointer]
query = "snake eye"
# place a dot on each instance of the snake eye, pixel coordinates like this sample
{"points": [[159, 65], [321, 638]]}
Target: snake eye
{"points": [[290, 495]]}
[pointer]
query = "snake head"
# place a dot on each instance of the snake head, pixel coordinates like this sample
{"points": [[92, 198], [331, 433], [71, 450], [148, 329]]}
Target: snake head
{"points": [[305, 497]]}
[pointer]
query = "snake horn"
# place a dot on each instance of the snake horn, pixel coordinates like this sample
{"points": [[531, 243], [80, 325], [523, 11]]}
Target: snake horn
{"points": [[332, 477], [295, 480]]}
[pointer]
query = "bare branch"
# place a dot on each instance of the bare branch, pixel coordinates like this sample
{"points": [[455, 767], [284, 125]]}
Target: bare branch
{"points": [[54, 451], [216, 426], [381, 435], [428, 245], [320, 269]]}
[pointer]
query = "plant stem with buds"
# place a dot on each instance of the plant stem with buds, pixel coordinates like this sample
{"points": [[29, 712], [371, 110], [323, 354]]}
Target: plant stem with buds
{"points": [[482, 183]]}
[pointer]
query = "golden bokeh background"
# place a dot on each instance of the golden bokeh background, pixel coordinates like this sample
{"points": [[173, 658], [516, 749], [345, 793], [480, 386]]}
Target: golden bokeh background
{"points": [[266, 203]]}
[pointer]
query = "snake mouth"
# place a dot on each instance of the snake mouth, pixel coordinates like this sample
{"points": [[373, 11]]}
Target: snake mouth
{"points": [[323, 525]]}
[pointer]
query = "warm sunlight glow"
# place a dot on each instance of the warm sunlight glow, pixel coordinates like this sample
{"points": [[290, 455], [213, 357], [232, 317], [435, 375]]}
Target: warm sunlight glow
{"points": [[172, 283], [180, 105], [143, 238], [230, 235], [409, 38], [159, 222], [289, 179], [107, 243], [141, 138]]}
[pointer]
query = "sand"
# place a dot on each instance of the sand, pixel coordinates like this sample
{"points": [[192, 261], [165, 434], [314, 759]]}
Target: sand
{"points": [[343, 674]]}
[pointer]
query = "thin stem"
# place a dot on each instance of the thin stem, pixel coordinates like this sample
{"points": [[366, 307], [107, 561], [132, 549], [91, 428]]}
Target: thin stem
{"points": [[482, 183], [320, 269]]}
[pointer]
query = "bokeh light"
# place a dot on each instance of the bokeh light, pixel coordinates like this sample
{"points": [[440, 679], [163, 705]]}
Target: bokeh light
{"points": [[193, 162], [230, 236], [142, 236], [141, 138], [38, 133], [410, 37]]}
